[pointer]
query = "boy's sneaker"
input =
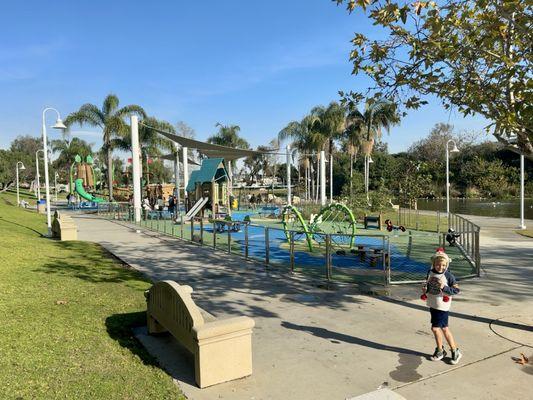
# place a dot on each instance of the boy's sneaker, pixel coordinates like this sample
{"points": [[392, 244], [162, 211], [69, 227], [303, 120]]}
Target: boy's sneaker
{"points": [[438, 355], [456, 356]]}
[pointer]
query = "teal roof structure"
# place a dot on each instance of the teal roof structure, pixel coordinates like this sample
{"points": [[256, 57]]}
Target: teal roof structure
{"points": [[211, 169]]}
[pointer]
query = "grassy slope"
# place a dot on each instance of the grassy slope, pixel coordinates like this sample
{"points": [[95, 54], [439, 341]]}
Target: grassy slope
{"points": [[66, 314]]}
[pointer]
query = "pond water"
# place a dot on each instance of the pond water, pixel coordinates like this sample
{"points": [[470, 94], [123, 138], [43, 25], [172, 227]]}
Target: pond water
{"points": [[488, 207]]}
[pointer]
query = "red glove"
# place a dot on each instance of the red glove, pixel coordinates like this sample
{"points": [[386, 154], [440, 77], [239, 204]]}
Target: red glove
{"points": [[424, 297], [445, 298]]}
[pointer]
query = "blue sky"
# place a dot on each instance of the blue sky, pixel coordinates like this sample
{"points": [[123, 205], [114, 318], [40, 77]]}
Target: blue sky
{"points": [[258, 65]]}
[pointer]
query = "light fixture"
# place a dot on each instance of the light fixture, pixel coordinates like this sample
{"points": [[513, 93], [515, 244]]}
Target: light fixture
{"points": [[370, 161], [22, 167], [59, 125]]}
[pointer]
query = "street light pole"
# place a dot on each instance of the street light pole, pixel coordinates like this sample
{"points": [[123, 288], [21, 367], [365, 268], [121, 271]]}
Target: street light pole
{"points": [[22, 168], [56, 175], [58, 125], [522, 222], [37, 176], [454, 150]]}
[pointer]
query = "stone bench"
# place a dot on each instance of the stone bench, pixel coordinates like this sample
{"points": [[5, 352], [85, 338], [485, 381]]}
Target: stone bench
{"points": [[222, 349], [63, 227]]}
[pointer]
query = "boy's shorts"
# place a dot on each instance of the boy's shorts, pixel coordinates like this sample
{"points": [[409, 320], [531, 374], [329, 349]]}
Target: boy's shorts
{"points": [[439, 318]]}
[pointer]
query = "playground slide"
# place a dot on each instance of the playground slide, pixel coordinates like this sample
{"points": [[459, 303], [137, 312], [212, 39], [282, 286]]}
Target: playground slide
{"points": [[196, 208], [78, 187]]}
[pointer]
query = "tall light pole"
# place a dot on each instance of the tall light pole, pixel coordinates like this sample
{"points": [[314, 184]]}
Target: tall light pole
{"points": [[22, 168], [288, 174], [37, 176], [58, 125], [522, 222], [454, 150], [56, 175]]}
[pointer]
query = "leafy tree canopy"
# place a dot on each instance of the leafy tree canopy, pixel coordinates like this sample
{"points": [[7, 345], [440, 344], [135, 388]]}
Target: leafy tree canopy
{"points": [[474, 55]]}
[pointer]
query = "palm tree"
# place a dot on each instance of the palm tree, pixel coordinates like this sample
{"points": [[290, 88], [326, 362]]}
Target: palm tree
{"points": [[228, 135], [353, 135], [378, 115], [331, 126], [151, 143], [111, 120], [306, 140]]}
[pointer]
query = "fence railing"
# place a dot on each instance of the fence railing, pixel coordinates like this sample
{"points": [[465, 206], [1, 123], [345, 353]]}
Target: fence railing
{"points": [[377, 258], [466, 235]]}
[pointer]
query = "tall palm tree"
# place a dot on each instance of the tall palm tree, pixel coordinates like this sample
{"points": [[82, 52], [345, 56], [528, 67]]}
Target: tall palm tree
{"points": [[353, 136], [111, 120], [306, 140], [151, 143], [228, 135], [378, 115], [331, 126]]}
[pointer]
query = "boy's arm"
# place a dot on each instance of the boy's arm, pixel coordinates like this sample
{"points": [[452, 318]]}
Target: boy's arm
{"points": [[453, 287]]}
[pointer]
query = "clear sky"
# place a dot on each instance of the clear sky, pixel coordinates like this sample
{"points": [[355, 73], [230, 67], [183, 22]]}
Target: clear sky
{"points": [[255, 64]]}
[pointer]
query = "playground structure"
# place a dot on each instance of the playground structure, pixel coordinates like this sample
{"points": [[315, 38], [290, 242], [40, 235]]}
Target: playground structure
{"points": [[208, 189], [82, 178], [335, 219]]}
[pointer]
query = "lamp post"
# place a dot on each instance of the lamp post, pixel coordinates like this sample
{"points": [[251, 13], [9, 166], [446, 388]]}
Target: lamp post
{"points": [[37, 175], [454, 150], [56, 175], [58, 125], [522, 222], [22, 168]]}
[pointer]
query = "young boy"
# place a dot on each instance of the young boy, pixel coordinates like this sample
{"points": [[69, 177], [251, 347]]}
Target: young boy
{"points": [[439, 287]]}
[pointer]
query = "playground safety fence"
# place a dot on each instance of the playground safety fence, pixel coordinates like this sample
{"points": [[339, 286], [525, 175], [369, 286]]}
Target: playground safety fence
{"points": [[377, 258]]}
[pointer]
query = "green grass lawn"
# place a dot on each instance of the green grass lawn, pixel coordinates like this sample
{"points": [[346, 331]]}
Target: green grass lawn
{"points": [[526, 232], [66, 310]]}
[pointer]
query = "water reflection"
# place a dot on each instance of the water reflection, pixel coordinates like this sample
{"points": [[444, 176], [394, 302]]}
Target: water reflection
{"points": [[488, 207]]}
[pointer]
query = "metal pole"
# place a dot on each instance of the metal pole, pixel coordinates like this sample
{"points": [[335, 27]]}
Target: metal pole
{"points": [[447, 182], [331, 178], [267, 247], [328, 257], [201, 230], [288, 174], [18, 196], [181, 225], [177, 177], [185, 171], [37, 174], [291, 250], [246, 240], [478, 258], [228, 227], [387, 266], [323, 178], [214, 235], [522, 221], [136, 167]]}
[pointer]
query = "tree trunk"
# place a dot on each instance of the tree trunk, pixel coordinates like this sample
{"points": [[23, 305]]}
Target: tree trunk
{"points": [[351, 174], [110, 172]]}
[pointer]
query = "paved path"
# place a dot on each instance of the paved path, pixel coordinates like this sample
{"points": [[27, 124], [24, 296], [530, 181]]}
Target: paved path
{"points": [[311, 343]]}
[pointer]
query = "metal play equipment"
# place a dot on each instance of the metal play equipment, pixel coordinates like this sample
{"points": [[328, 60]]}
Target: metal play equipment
{"points": [[335, 219], [293, 221]]}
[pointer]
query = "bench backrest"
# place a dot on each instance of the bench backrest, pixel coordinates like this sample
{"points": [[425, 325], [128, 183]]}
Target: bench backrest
{"points": [[172, 306]]}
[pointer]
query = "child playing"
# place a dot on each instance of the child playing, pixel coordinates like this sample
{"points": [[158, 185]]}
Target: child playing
{"points": [[439, 287]]}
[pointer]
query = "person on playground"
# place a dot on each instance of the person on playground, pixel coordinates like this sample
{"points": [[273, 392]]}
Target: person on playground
{"points": [[438, 290]]}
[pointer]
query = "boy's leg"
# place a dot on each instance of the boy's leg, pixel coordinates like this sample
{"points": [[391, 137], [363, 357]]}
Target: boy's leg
{"points": [[449, 337], [438, 336]]}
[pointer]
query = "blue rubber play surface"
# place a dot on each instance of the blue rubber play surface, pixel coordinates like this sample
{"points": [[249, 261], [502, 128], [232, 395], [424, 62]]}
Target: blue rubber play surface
{"points": [[279, 252]]}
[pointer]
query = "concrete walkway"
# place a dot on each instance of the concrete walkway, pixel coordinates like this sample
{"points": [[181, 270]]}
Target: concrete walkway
{"points": [[311, 343]]}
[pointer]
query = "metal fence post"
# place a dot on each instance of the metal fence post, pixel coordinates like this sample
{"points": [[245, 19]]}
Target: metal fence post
{"points": [[214, 235], [416, 217], [267, 247], [438, 221], [291, 250], [246, 240], [228, 227], [201, 230], [192, 228], [387, 258], [478, 257], [328, 257]]}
